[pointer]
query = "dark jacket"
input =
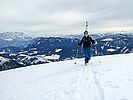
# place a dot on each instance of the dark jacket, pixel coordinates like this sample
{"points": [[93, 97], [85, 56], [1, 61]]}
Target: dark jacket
{"points": [[86, 41]]}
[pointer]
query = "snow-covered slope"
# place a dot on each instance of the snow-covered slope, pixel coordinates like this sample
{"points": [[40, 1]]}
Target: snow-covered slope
{"points": [[111, 79]]}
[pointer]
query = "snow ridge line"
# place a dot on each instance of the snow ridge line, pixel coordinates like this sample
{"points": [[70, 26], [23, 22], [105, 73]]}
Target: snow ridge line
{"points": [[99, 87]]}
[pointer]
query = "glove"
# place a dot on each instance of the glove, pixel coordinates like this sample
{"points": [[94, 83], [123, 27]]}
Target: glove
{"points": [[95, 43]]}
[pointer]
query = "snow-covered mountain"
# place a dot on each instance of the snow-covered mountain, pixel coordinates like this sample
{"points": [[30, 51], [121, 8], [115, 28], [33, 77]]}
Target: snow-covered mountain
{"points": [[106, 44], [27, 60], [46, 49], [43, 50], [48, 46], [9, 36], [115, 44], [111, 79], [6, 64], [17, 39]]}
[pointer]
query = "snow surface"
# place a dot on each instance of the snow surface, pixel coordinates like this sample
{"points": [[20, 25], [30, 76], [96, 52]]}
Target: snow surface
{"points": [[108, 39], [111, 50], [53, 56], [2, 52], [112, 79], [58, 50], [8, 39]]}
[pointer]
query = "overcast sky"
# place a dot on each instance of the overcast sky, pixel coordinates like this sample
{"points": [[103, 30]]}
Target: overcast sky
{"points": [[65, 16]]}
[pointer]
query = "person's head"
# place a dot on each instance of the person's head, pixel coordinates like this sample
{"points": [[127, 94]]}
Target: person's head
{"points": [[85, 33]]}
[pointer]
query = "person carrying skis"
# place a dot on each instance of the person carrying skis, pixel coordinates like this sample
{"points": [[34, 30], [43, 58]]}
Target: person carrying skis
{"points": [[87, 41]]}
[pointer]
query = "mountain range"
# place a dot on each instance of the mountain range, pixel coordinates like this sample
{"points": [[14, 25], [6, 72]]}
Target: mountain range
{"points": [[31, 51], [17, 39]]}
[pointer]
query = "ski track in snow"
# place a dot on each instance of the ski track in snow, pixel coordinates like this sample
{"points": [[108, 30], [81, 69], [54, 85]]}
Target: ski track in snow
{"points": [[97, 82], [87, 85]]}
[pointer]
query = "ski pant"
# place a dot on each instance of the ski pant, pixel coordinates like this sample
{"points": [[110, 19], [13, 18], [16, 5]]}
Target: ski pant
{"points": [[87, 54]]}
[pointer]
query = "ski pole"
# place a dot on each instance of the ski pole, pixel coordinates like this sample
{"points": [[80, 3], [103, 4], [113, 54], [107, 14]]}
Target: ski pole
{"points": [[97, 55], [76, 55]]}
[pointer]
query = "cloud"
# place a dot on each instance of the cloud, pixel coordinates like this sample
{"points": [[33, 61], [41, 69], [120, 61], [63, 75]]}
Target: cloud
{"points": [[58, 16]]}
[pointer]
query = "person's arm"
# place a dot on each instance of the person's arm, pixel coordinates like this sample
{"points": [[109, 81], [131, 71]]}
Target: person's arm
{"points": [[80, 43], [92, 41]]}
